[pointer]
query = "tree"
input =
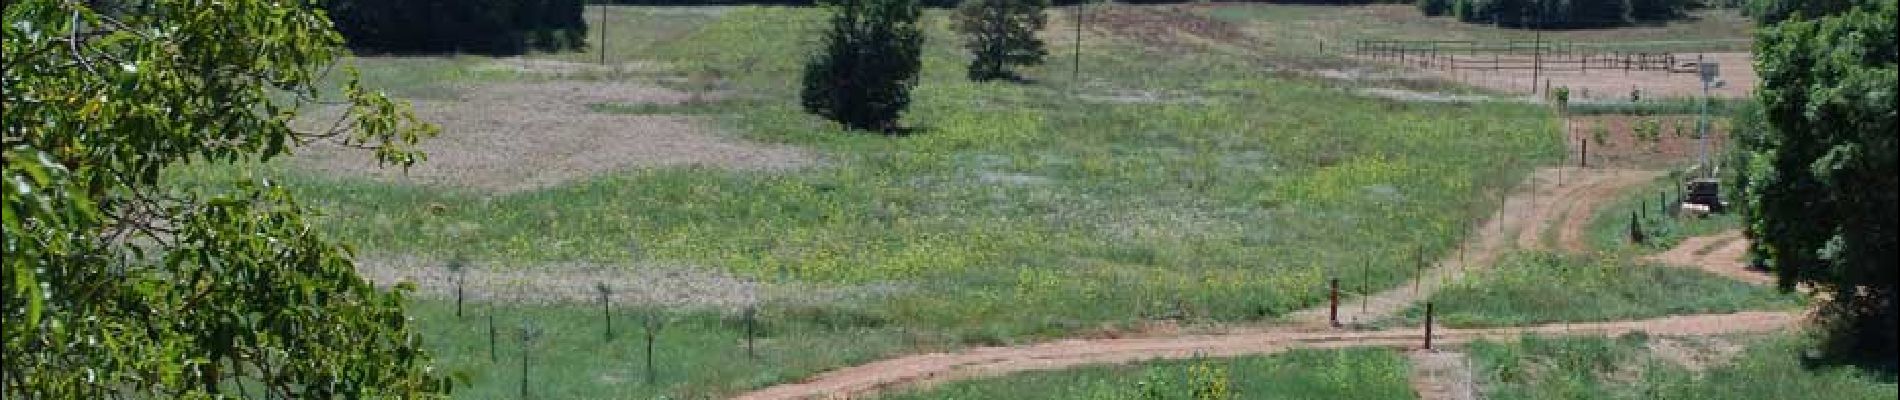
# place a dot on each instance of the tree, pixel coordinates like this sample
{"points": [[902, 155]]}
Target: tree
{"points": [[118, 285], [863, 75], [1001, 33], [1822, 180], [477, 26], [1770, 12]]}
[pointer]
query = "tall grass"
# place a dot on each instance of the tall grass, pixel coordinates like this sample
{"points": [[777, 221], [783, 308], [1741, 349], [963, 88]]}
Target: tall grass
{"points": [[1372, 373], [1532, 288], [1621, 368], [697, 354]]}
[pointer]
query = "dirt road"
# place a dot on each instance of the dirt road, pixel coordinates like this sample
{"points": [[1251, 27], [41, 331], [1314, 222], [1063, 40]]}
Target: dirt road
{"points": [[1526, 214], [867, 379], [1536, 206], [1720, 254]]}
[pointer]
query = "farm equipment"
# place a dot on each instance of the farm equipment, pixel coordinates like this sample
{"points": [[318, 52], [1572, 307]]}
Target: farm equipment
{"points": [[1704, 197]]}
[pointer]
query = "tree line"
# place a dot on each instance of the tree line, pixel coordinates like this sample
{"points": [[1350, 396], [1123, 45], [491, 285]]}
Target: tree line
{"points": [[1556, 14], [459, 26]]}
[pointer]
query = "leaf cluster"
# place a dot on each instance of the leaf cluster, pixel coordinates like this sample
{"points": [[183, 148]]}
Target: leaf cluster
{"points": [[117, 286]]}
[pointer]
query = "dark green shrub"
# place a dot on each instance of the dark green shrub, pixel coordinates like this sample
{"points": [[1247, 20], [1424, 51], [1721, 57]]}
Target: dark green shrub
{"points": [[1001, 33], [869, 61]]}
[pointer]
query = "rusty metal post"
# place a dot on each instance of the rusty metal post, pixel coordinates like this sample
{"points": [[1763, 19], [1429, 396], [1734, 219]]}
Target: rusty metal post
{"points": [[1333, 316], [1428, 325]]}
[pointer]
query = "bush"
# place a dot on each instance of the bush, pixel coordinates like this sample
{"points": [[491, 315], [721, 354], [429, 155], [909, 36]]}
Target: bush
{"points": [[1001, 33], [1434, 7], [863, 75]]}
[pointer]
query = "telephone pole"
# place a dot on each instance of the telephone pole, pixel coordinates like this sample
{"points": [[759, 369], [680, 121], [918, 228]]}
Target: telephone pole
{"points": [[603, 33], [1075, 75]]}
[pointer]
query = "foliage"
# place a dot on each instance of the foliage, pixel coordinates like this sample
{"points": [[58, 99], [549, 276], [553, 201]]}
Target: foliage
{"points": [[1770, 12], [1433, 8], [1823, 183], [1000, 34], [462, 26], [863, 75], [1648, 131], [1565, 14], [1534, 288], [116, 287]]}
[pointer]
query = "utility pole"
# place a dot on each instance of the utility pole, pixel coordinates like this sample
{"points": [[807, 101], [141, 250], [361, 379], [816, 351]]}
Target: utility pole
{"points": [[603, 33], [1708, 72], [1537, 50], [1076, 74]]}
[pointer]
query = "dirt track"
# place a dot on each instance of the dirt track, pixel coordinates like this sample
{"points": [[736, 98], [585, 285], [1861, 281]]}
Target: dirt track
{"points": [[871, 378], [1574, 201], [1720, 254]]}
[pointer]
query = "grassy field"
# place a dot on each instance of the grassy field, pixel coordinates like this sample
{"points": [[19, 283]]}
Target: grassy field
{"points": [[1533, 288], [1299, 374], [1021, 209], [1162, 185], [1767, 367], [696, 354]]}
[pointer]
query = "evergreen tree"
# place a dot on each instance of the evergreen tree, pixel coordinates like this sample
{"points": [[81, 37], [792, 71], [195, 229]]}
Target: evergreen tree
{"points": [[863, 75], [1000, 34]]}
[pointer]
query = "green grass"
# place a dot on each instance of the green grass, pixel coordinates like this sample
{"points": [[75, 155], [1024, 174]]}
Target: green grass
{"points": [[1304, 27], [1717, 108], [697, 354], [1534, 288], [1372, 373], [1609, 228], [1620, 368], [1015, 210]]}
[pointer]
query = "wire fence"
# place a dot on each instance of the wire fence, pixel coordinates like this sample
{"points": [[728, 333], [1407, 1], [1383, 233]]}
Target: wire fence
{"points": [[1518, 55]]}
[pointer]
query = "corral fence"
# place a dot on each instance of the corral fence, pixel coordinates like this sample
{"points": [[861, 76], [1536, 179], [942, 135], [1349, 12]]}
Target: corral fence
{"points": [[1518, 55]]}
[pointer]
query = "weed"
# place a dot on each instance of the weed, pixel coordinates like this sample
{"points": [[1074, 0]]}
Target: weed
{"points": [[1535, 288]]}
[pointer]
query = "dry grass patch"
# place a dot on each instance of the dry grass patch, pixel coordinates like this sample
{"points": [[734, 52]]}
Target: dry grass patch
{"points": [[522, 136], [671, 286], [1670, 139]]}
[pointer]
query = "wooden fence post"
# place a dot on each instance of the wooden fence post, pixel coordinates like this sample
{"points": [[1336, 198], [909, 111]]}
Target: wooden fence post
{"points": [[1333, 313], [1428, 325]]}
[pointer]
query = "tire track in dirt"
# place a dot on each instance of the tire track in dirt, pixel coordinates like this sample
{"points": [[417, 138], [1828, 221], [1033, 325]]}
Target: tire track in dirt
{"points": [[1524, 213], [1308, 328], [1563, 199], [1721, 254], [869, 379], [1583, 209]]}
